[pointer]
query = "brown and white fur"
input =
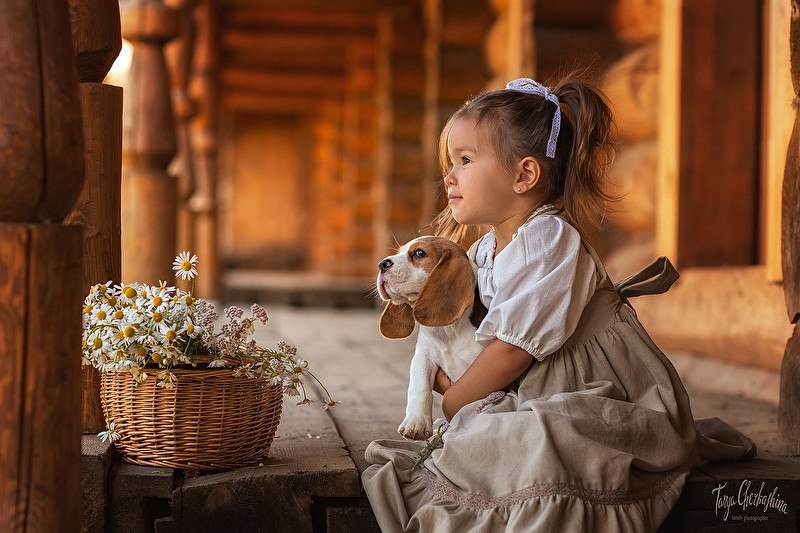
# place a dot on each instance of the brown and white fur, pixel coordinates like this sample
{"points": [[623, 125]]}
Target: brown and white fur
{"points": [[429, 281]]}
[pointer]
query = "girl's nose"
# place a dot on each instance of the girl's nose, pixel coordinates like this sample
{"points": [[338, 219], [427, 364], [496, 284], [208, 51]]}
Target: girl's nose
{"points": [[448, 179]]}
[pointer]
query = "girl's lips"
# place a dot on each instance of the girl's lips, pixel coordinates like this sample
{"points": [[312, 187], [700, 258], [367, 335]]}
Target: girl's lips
{"points": [[451, 199]]}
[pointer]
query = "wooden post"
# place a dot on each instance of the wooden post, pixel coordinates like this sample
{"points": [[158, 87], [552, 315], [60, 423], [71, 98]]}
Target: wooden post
{"points": [[41, 174], [431, 121], [203, 138], [180, 54], [778, 122], [789, 408], [97, 209], [149, 194]]}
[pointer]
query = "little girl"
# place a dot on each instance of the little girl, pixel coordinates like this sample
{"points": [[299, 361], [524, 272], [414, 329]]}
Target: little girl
{"points": [[570, 419]]}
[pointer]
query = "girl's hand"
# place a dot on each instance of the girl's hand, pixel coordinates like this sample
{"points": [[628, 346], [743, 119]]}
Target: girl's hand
{"points": [[441, 382]]}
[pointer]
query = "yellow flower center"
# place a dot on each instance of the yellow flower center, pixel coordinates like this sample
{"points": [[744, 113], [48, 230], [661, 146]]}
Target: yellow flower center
{"points": [[112, 300], [141, 350], [97, 343], [186, 266], [87, 309], [190, 329], [101, 315], [157, 317], [157, 301], [189, 300], [118, 314], [170, 335], [130, 292], [129, 331], [143, 293], [156, 357]]}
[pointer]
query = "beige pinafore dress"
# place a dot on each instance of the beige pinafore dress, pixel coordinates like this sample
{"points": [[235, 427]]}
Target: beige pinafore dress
{"points": [[599, 436]]}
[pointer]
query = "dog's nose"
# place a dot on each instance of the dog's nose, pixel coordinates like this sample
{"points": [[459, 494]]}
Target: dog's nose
{"points": [[385, 265]]}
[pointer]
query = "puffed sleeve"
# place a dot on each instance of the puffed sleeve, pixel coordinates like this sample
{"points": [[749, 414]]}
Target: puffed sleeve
{"points": [[543, 279]]}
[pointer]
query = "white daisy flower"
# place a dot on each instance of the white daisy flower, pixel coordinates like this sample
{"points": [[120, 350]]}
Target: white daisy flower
{"points": [[185, 265], [109, 434]]}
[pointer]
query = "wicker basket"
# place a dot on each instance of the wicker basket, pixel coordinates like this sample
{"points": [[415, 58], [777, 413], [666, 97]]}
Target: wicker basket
{"points": [[210, 420]]}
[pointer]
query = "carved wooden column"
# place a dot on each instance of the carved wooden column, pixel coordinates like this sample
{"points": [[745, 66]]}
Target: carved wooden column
{"points": [[149, 193], [203, 138], [789, 409], [97, 42], [180, 55], [41, 174]]}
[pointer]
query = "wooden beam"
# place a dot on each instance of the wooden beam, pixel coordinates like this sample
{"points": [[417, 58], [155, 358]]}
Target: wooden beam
{"points": [[280, 82], [352, 5], [264, 103], [288, 42], [268, 19]]}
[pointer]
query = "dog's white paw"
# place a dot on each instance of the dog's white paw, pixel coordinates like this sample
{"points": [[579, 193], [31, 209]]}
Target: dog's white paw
{"points": [[416, 428]]}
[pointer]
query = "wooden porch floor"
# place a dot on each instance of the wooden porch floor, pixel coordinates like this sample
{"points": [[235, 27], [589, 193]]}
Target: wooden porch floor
{"points": [[312, 476]]}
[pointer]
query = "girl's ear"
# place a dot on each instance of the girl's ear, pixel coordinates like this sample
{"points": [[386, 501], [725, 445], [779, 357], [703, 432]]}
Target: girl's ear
{"points": [[397, 321], [529, 170], [448, 293]]}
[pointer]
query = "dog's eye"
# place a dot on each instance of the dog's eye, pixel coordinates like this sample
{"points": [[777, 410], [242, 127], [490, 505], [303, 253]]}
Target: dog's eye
{"points": [[419, 253]]}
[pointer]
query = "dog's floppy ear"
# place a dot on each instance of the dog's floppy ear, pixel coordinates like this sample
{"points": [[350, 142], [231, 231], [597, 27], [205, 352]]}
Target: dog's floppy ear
{"points": [[448, 293], [397, 321]]}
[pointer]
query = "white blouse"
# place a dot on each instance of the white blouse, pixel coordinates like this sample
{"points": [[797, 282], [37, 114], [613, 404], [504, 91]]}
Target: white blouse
{"points": [[536, 288]]}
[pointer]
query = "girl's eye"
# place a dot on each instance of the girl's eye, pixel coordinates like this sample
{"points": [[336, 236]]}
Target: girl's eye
{"points": [[419, 253], [465, 160]]}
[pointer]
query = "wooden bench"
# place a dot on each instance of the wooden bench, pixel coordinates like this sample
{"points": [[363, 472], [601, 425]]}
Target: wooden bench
{"points": [[311, 481]]}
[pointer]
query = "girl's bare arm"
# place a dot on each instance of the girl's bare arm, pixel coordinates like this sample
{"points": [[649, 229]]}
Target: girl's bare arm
{"points": [[495, 368]]}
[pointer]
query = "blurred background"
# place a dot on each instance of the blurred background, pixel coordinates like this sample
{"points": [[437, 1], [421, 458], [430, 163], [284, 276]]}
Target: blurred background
{"points": [[302, 140]]}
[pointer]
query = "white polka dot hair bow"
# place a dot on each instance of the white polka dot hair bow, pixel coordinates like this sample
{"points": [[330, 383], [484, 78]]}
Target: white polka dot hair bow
{"points": [[530, 86]]}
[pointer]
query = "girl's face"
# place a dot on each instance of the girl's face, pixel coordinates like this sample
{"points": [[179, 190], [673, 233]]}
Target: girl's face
{"points": [[479, 189]]}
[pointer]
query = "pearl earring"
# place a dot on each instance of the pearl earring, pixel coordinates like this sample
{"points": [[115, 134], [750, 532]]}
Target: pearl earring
{"points": [[518, 189]]}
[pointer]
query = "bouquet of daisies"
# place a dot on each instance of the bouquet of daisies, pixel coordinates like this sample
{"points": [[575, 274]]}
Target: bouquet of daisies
{"points": [[148, 330]]}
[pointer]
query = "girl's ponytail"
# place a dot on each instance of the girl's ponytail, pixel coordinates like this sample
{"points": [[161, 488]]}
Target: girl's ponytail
{"points": [[591, 151]]}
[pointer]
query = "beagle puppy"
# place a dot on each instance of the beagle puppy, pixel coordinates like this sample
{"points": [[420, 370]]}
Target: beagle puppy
{"points": [[430, 281]]}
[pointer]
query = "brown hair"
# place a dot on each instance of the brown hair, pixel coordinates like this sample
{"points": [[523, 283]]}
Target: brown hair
{"points": [[519, 125]]}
